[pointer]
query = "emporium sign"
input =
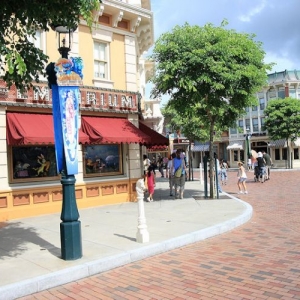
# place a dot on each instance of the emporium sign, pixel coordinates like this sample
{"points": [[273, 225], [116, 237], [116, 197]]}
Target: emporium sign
{"points": [[108, 99]]}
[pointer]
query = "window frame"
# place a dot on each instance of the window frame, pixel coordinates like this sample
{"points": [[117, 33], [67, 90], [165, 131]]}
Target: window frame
{"points": [[88, 162], [262, 103], [12, 166], [255, 127], [100, 61]]}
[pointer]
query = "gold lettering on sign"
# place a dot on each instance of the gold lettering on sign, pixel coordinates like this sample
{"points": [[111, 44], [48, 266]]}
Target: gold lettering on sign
{"points": [[41, 93]]}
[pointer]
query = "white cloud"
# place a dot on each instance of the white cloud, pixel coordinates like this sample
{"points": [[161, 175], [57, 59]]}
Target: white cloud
{"points": [[252, 12]]}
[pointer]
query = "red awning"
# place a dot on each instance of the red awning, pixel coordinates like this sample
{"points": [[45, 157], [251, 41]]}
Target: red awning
{"points": [[26, 129], [112, 130], [156, 138]]}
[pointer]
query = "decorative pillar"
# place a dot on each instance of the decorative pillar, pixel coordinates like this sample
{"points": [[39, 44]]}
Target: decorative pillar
{"points": [[142, 235]]}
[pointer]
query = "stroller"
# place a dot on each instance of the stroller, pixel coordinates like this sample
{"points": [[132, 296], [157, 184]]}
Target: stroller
{"points": [[260, 174]]}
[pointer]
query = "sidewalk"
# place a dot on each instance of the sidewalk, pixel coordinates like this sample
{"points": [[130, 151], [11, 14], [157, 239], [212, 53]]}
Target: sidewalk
{"points": [[30, 248]]}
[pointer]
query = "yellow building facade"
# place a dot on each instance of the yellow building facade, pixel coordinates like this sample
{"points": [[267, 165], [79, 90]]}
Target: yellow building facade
{"points": [[111, 142]]}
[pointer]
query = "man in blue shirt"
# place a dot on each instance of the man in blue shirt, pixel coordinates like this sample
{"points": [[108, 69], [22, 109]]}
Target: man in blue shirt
{"points": [[178, 171]]}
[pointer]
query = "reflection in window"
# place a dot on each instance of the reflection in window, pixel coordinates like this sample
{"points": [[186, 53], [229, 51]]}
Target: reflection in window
{"points": [[284, 154], [277, 154], [281, 94], [255, 124], [235, 155], [262, 103], [242, 157], [262, 123], [233, 130], [100, 60], [34, 162], [102, 160], [241, 125]]}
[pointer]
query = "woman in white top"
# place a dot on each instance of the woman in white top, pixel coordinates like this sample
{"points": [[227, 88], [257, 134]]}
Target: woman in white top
{"points": [[242, 177]]}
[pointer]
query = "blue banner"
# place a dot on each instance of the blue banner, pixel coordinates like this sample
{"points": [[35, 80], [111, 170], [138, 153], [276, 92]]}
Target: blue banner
{"points": [[58, 135], [68, 99], [65, 115]]}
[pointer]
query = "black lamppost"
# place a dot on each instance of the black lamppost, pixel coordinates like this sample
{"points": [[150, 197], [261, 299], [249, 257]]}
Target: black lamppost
{"points": [[70, 227], [248, 146]]}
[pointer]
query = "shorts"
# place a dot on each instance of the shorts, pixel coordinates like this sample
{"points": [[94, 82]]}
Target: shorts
{"points": [[242, 179]]}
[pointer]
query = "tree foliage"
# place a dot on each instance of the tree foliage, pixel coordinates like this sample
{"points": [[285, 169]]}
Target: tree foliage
{"points": [[188, 122], [20, 60], [282, 119], [214, 69]]}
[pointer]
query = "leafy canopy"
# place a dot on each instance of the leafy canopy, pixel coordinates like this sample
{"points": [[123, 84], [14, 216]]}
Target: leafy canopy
{"points": [[212, 70], [20, 60], [282, 119], [209, 65]]}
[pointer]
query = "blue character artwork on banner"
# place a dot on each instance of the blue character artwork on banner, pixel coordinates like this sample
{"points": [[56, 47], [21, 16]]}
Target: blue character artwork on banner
{"points": [[65, 102]]}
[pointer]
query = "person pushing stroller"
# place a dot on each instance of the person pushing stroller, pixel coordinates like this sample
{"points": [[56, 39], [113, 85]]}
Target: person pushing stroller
{"points": [[260, 169]]}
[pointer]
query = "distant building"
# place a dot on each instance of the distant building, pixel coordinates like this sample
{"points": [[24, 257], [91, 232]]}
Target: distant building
{"points": [[231, 145], [280, 85]]}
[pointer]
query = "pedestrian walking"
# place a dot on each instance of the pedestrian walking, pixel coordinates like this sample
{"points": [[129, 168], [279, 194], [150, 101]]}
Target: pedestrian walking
{"points": [[224, 168], [160, 165], [150, 183], [242, 177], [218, 171], [269, 163], [178, 169], [249, 164], [169, 172], [261, 163]]}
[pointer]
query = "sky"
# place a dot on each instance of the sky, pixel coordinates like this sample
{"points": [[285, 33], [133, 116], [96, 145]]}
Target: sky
{"points": [[276, 23]]}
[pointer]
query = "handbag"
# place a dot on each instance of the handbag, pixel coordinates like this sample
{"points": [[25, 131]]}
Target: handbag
{"points": [[178, 172]]}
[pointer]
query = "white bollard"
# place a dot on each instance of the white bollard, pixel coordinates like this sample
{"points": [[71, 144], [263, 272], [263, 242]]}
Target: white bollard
{"points": [[201, 177], [142, 235]]}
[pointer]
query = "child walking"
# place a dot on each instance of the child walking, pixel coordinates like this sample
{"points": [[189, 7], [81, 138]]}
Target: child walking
{"points": [[242, 177], [150, 183]]}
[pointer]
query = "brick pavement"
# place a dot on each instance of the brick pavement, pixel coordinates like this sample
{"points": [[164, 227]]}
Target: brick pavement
{"points": [[259, 260]]}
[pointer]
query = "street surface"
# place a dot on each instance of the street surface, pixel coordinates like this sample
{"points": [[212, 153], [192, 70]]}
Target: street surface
{"points": [[258, 260]]}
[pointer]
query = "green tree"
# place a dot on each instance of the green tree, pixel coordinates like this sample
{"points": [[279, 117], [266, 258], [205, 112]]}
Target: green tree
{"points": [[188, 122], [282, 121], [20, 60], [216, 68]]}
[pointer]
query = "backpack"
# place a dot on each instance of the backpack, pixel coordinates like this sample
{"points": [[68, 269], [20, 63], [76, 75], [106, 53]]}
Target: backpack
{"points": [[178, 172]]}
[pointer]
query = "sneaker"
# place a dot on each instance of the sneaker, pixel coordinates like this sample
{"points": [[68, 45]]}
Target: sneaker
{"points": [[148, 199], [240, 192], [246, 192]]}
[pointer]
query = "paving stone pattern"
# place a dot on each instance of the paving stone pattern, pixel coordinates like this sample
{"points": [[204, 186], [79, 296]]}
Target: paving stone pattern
{"points": [[259, 260]]}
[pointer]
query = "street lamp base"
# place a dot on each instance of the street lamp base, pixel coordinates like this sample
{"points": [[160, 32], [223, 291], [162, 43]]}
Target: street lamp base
{"points": [[70, 238]]}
